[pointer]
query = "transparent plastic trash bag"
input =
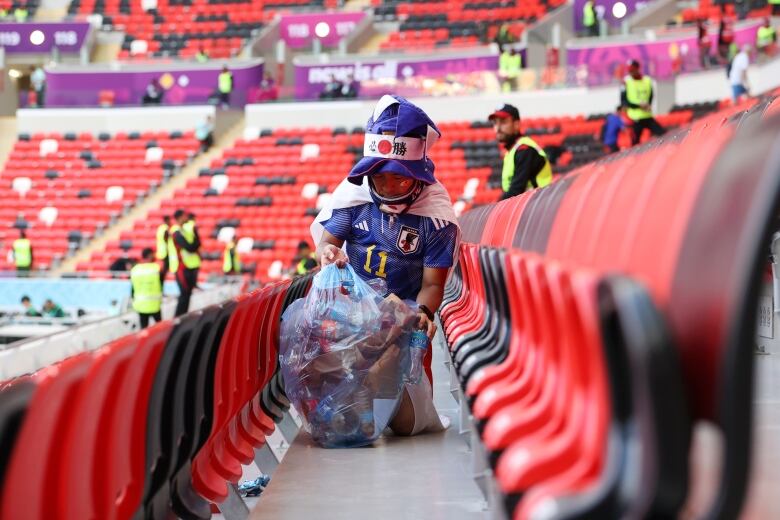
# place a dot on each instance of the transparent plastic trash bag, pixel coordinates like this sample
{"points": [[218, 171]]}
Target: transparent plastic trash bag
{"points": [[344, 356]]}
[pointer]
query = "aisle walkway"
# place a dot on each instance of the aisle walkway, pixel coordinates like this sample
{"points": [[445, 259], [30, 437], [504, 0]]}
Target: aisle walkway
{"points": [[425, 477]]}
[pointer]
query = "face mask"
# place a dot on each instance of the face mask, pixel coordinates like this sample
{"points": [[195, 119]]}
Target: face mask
{"points": [[397, 205]]}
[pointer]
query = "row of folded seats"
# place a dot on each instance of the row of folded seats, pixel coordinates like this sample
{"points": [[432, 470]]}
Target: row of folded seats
{"points": [[153, 423], [581, 323]]}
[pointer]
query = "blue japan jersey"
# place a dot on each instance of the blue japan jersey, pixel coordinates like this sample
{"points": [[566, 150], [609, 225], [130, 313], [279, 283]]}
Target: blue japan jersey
{"points": [[396, 247]]}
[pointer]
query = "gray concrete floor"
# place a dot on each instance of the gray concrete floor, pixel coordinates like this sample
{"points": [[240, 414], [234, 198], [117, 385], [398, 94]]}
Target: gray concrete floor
{"points": [[424, 477]]}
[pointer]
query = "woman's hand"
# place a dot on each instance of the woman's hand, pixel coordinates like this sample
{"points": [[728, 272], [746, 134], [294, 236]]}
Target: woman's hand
{"points": [[333, 255], [425, 324]]}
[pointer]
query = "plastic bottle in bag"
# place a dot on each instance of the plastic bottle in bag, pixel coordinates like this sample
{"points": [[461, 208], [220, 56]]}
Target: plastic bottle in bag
{"points": [[365, 411], [418, 344]]}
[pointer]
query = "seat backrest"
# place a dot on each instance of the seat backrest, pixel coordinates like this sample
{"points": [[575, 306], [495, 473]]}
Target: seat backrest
{"points": [[188, 410], [204, 413], [37, 453], [174, 363], [83, 451], [224, 377], [114, 193], [14, 399], [48, 215], [122, 483], [21, 185], [660, 411]]}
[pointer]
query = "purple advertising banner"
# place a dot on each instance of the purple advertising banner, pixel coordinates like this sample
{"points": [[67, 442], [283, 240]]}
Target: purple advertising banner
{"points": [[609, 10], [662, 59], [310, 79], [68, 88], [298, 30], [43, 37]]}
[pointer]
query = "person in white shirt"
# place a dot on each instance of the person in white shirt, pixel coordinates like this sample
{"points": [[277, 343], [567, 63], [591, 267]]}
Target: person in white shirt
{"points": [[38, 82], [738, 73]]}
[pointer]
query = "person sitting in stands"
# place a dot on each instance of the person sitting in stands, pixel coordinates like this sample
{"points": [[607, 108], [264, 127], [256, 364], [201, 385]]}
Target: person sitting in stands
{"points": [[305, 259], [153, 94], [52, 310], [29, 310], [204, 132], [332, 89], [268, 90]]}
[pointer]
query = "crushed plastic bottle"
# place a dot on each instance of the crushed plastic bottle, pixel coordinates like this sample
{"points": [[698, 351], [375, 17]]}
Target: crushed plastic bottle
{"points": [[418, 344]]}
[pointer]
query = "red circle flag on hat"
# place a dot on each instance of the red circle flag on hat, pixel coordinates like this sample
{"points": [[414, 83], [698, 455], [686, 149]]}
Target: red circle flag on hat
{"points": [[398, 137]]}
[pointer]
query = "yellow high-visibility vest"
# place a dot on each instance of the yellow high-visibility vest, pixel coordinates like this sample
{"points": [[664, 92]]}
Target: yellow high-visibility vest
{"points": [[173, 258], [230, 261], [509, 65], [588, 14], [22, 252], [638, 92], [543, 178], [190, 260], [765, 36], [147, 289], [225, 82], [162, 244], [301, 267]]}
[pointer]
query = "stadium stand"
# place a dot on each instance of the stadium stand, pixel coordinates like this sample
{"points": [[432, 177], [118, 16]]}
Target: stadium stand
{"points": [[62, 189], [709, 10], [181, 28], [266, 191], [30, 7], [428, 25], [581, 301]]}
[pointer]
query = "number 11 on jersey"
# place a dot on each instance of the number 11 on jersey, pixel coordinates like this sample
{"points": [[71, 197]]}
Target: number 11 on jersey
{"points": [[382, 262]]}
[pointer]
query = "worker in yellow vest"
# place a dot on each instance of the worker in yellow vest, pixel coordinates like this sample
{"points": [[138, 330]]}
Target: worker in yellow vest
{"points": [[162, 238], [305, 259], [231, 264], [525, 163], [225, 86], [589, 19], [766, 38], [23, 255], [146, 288], [510, 62], [21, 14], [636, 95], [184, 246]]}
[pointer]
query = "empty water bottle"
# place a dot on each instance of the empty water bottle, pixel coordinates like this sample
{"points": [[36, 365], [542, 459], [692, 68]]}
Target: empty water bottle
{"points": [[418, 344]]}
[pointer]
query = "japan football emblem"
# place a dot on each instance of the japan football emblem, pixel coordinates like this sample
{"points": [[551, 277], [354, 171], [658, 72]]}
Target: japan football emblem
{"points": [[408, 240]]}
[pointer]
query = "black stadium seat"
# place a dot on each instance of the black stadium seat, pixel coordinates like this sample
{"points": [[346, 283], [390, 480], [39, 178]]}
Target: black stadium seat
{"points": [[161, 432], [184, 500]]}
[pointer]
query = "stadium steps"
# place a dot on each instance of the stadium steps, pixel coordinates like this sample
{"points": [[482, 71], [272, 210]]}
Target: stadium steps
{"points": [[51, 13], [105, 52], [229, 128], [7, 138], [373, 44], [427, 476], [356, 5]]}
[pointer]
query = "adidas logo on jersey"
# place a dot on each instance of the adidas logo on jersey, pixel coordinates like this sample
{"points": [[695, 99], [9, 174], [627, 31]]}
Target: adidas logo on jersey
{"points": [[362, 225]]}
